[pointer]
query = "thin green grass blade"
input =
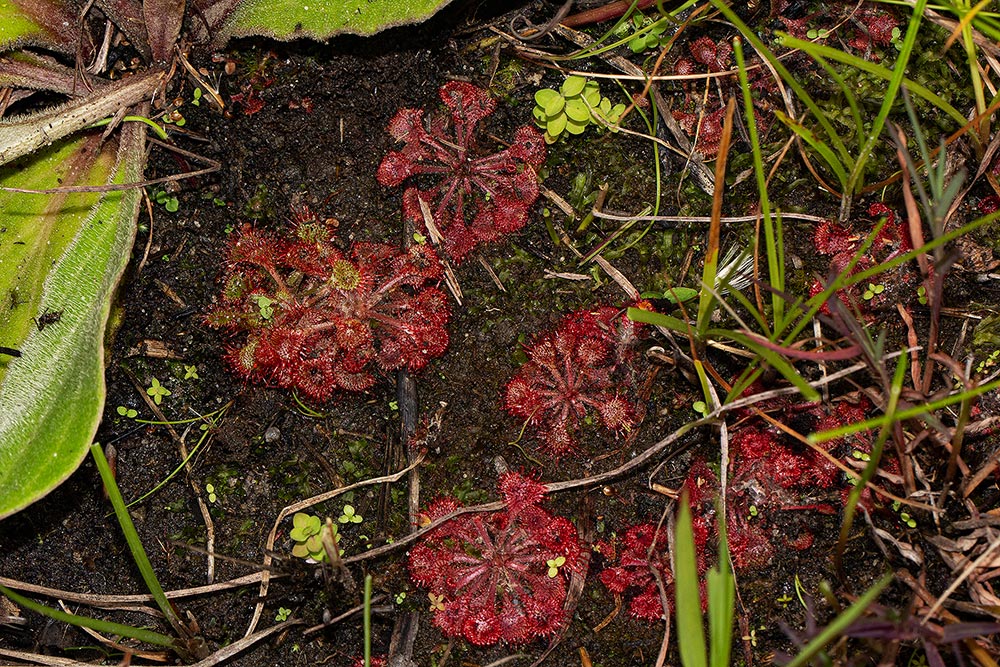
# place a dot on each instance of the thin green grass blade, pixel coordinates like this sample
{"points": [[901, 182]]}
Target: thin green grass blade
{"points": [[814, 49], [367, 621], [898, 70], [690, 633], [95, 624], [773, 240], [792, 82], [721, 602], [777, 361], [903, 415], [875, 459], [134, 543], [840, 623], [659, 320]]}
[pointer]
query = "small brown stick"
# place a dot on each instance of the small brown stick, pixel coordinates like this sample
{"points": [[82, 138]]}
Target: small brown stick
{"points": [[156, 656], [244, 643], [149, 237], [337, 619], [437, 238], [130, 601]]}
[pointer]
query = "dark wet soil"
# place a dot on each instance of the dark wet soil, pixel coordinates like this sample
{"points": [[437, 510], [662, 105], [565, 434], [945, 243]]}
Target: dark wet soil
{"points": [[317, 139]]}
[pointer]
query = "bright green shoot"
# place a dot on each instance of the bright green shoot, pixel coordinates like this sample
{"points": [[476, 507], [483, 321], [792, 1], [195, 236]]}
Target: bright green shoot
{"points": [[721, 586], [830, 145]]}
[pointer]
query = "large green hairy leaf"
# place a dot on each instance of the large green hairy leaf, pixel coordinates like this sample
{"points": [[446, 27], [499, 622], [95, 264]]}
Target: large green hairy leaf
{"points": [[319, 19], [61, 256]]}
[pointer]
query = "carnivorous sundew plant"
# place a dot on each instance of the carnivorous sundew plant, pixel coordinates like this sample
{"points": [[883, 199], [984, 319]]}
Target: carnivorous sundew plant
{"points": [[500, 576], [317, 319], [479, 198]]}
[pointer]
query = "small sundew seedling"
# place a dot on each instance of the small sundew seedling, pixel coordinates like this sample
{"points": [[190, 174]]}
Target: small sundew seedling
{"points": [[754, 511], [988, 362], [265, 306], [166, 200], [872, 291], [210, 490], [283, 614], [191, 372], [131, 413], [907, 519], [922, 295], [700, 407], [349, 516], [157, 391], [196, 101], [399, 597], [437, 602], [783, 600], [554, 565], [859, 455]]}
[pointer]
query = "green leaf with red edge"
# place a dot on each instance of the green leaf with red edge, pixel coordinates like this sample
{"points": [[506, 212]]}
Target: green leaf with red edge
{"points": [[320, 19], [61, 256]]}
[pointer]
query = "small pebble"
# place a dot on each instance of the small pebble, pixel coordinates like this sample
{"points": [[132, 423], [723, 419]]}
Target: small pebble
{"points": [[272, 434]]}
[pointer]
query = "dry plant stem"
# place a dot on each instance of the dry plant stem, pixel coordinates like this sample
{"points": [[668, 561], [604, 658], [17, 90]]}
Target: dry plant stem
{"points": [[337, 619], [966, 573], [244, 643], [39, 659], [156, 656], [697, 219], [667, 516], [927, 598], [612, 10], [309, 502], [212, 167], [26, 134]]}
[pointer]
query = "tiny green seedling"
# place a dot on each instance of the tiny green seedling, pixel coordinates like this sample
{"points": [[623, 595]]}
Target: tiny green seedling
{"points": [[700, 407], [283, 614], [167, 201], [210, 489], [196, 101], [307, 535], [922, 295], [437, 602], [191, 372], [754, 512], [647, 33], [130, 413], [988, 362], [265, 306], [859, 455], [400, 596], [872, 291], [784, 599], [554, 565], [157, 391], [349, 516]]}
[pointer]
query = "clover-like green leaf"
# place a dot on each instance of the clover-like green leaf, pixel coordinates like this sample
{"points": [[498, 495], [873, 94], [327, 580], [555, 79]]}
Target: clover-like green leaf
{"points": [[576, 109], [556, 125], [573, 86]]}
